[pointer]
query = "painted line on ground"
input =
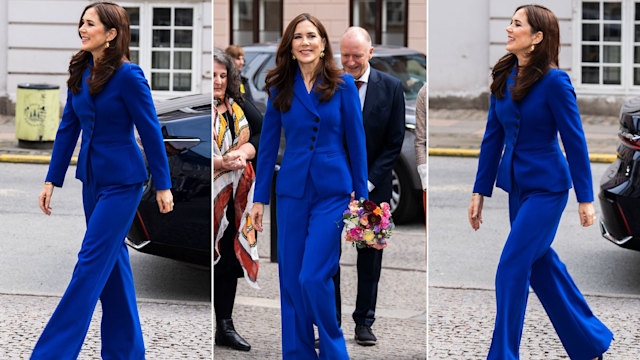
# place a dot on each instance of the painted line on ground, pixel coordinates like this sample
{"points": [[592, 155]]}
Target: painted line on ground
{"points": [[595, 157], [30, 159]]}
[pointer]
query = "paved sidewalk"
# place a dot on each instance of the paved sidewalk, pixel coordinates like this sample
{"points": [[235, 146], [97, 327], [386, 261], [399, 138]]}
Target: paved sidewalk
{"points": [[461, 324], [464, 129], [171, 330]]}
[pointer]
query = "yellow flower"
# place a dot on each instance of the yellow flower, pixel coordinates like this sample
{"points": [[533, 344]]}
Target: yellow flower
{"points": [[368, 236], [377, 211]]}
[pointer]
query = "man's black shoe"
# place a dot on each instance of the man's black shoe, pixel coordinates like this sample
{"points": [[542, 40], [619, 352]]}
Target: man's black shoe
{"points": [[364, 336], [226, 335]]}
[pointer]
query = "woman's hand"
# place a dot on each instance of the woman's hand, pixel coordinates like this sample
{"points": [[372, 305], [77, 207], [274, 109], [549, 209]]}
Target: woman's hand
{"points": [[45, 198], [475, 210], [234, 160], [165, 200], [256, 215], [587, 213]]}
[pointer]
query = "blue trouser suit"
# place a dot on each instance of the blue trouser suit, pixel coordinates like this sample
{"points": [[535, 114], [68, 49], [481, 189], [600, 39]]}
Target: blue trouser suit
{"points": [[102, 272], [527, 259], [308, 253]]}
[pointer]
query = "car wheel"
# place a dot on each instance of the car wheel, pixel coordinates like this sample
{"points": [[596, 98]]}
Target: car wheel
{"points": [[402, 203]]}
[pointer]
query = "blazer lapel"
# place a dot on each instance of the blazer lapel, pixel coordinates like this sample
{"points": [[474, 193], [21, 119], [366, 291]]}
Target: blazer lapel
{"points": [[85, 97], [309, 101]]}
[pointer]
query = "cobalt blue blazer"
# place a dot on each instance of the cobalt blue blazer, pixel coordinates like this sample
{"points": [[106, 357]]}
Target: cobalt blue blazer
{"points": [[109, 153], [315, 134], [527, 131]]}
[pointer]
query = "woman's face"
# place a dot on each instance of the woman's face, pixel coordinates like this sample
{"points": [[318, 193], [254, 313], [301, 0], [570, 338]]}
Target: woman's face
{"points": [[519, 36], [93, 34], [239, 62], [219, 80], [307, 43]]}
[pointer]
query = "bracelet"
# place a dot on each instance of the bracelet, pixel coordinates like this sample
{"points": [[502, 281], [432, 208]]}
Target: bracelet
{"points": [[474, 194], [48, 183]]}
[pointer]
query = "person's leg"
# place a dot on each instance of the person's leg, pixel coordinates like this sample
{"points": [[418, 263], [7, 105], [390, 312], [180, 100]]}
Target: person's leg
{"points": [[535, 219], [369, 265], [121, 331], [108, 223], [581, 333], [320, 263], [297, 326]]}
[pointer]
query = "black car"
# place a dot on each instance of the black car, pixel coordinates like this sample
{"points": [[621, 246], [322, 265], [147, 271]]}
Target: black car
{"points": [[185, 233], [407, 65], [620, 185]]}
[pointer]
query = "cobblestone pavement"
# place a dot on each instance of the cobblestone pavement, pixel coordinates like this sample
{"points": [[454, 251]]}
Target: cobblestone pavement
{"points": [[464, 129], [461, 322], [171, 330]]}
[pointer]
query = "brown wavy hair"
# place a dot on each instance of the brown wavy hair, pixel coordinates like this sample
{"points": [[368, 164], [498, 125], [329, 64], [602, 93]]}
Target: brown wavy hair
{"points": [[541, 59], [282, 76], [112, 16]]}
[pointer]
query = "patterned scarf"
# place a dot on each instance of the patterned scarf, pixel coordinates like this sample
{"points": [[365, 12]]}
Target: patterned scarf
{"points": [[240, 184]]}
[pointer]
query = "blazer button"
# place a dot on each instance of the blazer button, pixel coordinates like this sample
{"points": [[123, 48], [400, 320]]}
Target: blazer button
{"points": [[315, 129], [311, 147], [516, 126], [317, 120], [518, 116], [313, 138]]}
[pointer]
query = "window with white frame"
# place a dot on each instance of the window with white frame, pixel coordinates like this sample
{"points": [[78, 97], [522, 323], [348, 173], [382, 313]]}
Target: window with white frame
{"points": [[163, 43], [601, 42]]}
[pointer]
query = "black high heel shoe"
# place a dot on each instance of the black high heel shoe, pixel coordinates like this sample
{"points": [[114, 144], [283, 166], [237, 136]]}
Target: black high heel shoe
{"points": [[226, 335]]}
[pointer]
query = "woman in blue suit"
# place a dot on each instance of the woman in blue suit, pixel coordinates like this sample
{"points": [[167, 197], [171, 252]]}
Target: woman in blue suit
{"points": [[531, 101], [107, 96], [319, 110]]}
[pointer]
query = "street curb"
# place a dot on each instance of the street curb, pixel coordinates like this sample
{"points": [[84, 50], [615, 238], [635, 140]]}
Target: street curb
{"points": [[30, 159], [595, 158]]}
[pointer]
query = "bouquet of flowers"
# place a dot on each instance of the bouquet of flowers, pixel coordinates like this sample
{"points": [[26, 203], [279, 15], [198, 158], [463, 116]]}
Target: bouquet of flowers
{"points": [[367, 225]]}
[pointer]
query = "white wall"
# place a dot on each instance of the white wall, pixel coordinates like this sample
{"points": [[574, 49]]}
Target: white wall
{"points": [[458, 47], [467, 37], [42, 36], [3, 47]]}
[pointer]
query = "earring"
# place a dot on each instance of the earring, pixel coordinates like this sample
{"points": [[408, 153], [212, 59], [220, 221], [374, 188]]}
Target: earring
{"points": [[293, 57], [106, 46], [533, 47], [322, 54]]}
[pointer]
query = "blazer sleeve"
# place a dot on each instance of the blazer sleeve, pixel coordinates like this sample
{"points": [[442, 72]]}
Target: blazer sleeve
{"points": [[255, 122], [392, 145], [351, 114], [268, 152], [490, 153], [563, 106], [64, 144], [139, 103]]}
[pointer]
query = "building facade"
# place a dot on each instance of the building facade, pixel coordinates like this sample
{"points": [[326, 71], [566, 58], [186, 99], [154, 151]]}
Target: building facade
{"points": [[170, 40], [390, 22], [600, 49]]}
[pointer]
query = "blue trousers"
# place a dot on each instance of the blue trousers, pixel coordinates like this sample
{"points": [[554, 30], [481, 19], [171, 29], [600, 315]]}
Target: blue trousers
{"points": [[102, 272], [308, 254], [528, 259]]}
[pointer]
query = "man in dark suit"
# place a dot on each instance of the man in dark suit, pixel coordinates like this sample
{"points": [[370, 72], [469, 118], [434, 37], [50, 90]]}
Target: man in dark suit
{"points": [[382, 101]]}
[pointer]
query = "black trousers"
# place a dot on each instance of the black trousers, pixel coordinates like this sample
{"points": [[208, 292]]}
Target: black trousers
{"points": [[369, 265], [227, 271]]}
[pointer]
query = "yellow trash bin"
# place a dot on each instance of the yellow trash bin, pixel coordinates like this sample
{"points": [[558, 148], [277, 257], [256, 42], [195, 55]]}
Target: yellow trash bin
{"points": [[37, 115]]}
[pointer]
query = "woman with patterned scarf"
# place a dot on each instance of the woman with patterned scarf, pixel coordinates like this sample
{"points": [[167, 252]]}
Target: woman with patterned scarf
{"points": [[236, 133]]}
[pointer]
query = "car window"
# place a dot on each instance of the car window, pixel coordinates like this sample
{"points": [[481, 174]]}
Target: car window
{"points": [[248, 57], [410, 69], [259, 79]]}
